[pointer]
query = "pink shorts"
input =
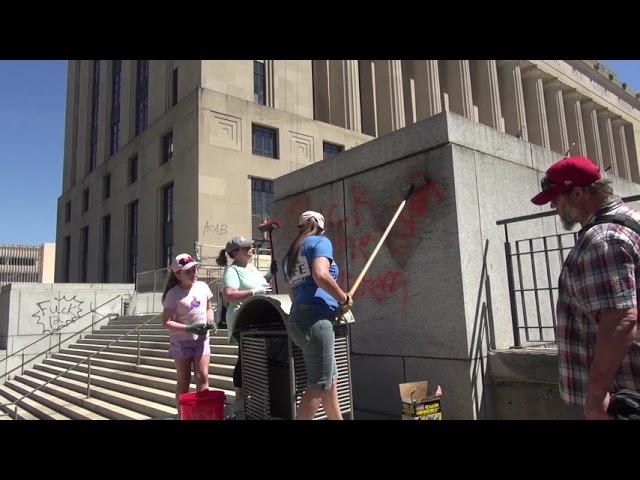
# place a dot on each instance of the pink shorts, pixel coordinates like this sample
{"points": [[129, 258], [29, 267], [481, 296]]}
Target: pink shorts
{"points": [[189, 349]]}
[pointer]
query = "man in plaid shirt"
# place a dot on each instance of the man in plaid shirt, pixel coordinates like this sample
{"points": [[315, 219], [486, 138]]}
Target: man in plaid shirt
{"points": [[598, 348]]}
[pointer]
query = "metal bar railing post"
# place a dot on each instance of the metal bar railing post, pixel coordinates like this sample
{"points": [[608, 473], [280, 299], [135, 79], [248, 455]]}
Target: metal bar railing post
{"points": [[522, 290], [138, 346], [22, 367], [153, 296], [512, 294], [89, 378]]}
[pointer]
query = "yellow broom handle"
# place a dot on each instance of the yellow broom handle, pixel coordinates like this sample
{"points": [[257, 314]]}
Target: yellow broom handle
{"points": [[375, 251]]}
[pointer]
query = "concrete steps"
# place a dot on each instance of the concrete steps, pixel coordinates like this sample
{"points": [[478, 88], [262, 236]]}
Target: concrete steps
{"points": [[128, 382]]}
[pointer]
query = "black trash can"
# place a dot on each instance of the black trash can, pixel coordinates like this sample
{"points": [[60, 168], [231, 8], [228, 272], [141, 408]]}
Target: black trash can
{"points": [[274, 376]]}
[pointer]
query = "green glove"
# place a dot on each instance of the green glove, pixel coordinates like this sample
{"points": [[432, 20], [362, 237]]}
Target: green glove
{"points": [[212, 326], [197, 328]]}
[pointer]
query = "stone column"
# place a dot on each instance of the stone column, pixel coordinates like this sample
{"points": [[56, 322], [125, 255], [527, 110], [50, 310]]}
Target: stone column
{"points": [[486, 92], [321, 94], [337, 94], [605, 131], [620, 143], [353, 118], [591, 133], [632, 153], [575, 128], [367, 70], [512, 97], [389, 96], [456, 83], [536, 111], [558, 137], [424, 85]]}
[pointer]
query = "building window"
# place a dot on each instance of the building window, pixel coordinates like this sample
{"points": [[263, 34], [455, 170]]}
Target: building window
{"points": [[167, 147], [106, 186], [166, 254], [142, 115], [66, 250], [132, 267], [264, 140], [95, 104], [174, 87], [93, 156], [261, 197], [105, 248], [115, 137], [259, 83], [330, 149], [18, 261], [142, 95], [85, 200], [133, 169], [116, 67], [84, 253], [67, 212]]}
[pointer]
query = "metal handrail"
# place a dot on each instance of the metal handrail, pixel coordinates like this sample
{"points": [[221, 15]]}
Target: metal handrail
{"points": [[88, 359], [510, 269], [56, 331]]}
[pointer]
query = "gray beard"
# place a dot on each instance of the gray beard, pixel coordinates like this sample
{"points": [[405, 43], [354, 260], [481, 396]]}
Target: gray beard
{"points": [[566, 224]]}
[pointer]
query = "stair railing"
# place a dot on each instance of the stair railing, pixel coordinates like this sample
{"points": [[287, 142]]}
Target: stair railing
{"points": [[16, 402], [57, 331]]}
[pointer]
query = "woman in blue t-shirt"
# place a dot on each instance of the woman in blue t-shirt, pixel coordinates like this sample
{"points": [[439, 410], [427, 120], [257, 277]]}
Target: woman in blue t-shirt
{"points": [[310, 274]]}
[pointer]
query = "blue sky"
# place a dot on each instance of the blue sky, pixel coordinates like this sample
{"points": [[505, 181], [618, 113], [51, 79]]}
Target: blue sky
{"points": [[32, 114]]}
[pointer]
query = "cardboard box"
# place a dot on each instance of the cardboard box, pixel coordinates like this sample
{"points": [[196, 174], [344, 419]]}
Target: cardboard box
{"points": [[418, 403]]}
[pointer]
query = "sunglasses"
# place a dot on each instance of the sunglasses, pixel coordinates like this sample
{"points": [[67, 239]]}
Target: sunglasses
{"points": [[546, 185]]}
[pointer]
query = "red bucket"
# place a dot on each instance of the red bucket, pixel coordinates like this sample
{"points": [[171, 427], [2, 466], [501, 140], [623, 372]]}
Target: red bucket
{"points": [[204, 405]]}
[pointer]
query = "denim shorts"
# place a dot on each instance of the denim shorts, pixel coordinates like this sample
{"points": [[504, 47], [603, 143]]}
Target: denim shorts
{"points": [[189, 349], [314, 335]]}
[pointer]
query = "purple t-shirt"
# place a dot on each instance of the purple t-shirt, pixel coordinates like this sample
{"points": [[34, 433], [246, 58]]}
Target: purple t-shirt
{"points": [[191, 307]]}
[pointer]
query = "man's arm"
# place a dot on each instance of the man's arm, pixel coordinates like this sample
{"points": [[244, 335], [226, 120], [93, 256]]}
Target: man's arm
{"points": [[615, 334]]}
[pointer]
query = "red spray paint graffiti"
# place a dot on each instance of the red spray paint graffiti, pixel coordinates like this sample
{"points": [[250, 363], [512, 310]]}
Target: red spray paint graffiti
{"points": [[370, 219]]}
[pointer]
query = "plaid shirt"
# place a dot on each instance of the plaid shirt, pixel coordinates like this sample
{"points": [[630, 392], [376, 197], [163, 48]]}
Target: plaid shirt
{"points": [[600, 273]]}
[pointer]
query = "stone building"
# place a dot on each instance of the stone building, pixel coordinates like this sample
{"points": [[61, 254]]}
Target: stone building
{"points": [[161, 155]]}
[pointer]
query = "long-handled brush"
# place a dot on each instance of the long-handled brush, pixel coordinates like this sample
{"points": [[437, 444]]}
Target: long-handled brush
{"points": [[269, 227], [415, 185]]}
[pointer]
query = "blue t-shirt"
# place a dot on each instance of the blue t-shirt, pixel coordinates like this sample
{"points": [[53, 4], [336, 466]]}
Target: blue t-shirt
{"points": [[305, 290]]}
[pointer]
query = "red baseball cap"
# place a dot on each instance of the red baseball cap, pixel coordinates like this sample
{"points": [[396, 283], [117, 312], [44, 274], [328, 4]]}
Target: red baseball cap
{"points": [[564, 175]]}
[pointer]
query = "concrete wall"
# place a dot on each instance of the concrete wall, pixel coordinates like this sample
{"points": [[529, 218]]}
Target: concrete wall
{"points": [[435, 300], [29, 313], [524, 386], [227, 163], [48, 261]]}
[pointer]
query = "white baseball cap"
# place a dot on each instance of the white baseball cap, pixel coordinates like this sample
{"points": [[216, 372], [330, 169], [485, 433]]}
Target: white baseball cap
{"points": [[184, 261], [309, 214]]}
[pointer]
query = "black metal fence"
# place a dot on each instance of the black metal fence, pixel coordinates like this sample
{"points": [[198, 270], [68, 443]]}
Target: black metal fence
{"points": [[533, 267]]}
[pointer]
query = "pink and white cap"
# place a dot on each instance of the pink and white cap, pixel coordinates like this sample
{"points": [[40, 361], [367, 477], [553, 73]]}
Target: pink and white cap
{"points": [[184, 261]]}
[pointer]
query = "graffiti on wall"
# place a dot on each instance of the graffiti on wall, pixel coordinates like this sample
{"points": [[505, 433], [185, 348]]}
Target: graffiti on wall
{"points": [[214, 229], [365, 219], [56, 314]]}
